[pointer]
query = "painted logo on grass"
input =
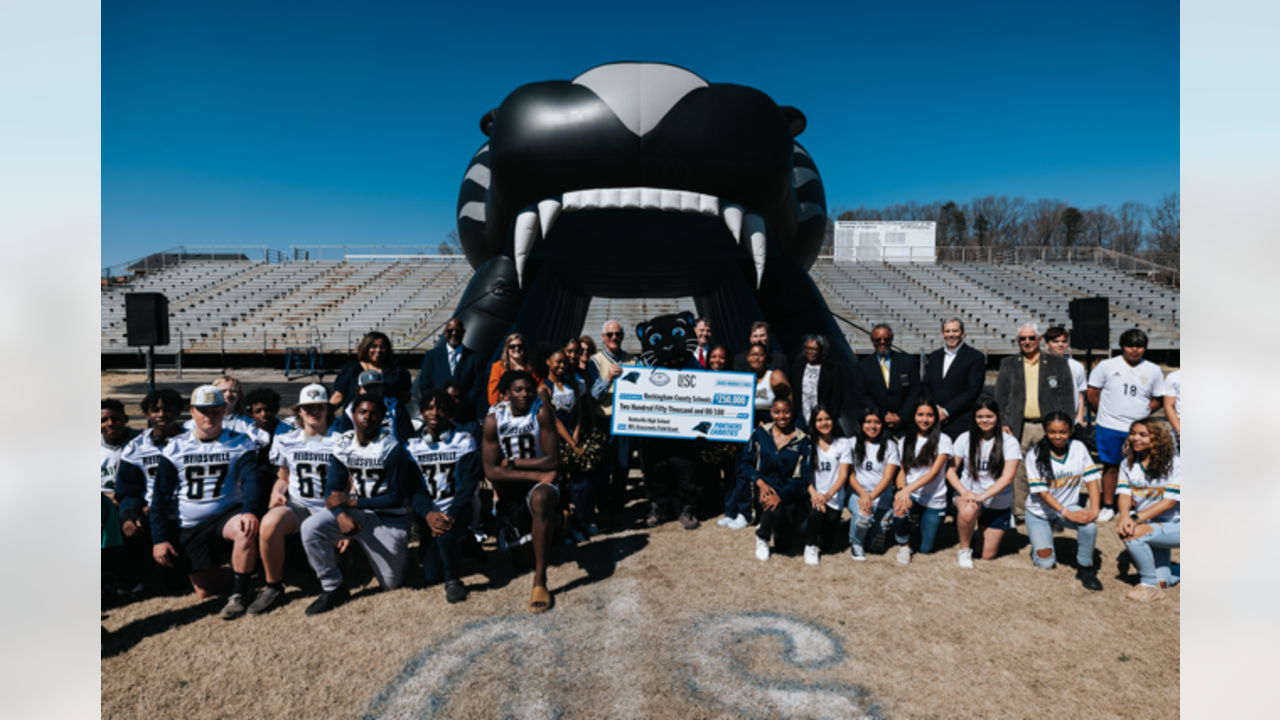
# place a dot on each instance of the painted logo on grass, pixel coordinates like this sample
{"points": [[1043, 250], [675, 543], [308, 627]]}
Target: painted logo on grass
{"points": [[720, 658]]}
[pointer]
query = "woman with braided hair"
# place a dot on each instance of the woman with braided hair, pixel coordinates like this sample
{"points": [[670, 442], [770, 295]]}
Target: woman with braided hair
{"points": [[1058, 468]]}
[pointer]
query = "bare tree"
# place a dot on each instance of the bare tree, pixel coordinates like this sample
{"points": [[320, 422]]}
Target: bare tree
{"points": [[1166, 235], [1100, 226], [1043, 222], [1130, 223]]}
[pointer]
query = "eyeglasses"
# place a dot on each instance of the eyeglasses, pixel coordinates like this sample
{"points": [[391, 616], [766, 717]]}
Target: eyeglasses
{"points": [[617, 334], [882, 341], [1033, 338], [515, 347]]}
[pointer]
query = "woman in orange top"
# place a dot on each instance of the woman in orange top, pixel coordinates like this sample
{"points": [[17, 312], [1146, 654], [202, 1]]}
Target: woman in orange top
{"points": [[515, 356]]}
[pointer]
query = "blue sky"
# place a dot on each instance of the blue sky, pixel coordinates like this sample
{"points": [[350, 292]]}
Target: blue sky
{"points": [[332, 123]]}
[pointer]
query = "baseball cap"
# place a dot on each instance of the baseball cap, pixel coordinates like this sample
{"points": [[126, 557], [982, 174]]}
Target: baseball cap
{"points": [[207, 396], [370, 377], [313, 394]]}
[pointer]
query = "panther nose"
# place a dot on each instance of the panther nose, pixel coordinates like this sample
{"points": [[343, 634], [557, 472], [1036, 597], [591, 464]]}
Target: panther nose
{"points": [[640, 94]]}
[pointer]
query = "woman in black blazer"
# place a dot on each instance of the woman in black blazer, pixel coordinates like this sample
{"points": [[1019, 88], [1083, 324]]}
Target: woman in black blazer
{"points": [[825, 384]]}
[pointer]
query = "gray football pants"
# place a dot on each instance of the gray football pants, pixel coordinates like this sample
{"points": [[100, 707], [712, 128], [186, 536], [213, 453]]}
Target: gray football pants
{"points": [[385, 540]]}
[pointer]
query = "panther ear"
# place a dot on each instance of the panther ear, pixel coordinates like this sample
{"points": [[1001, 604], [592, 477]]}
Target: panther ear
{"points": [[640, 330], [794, 117], [486, 122], [687, 317]]}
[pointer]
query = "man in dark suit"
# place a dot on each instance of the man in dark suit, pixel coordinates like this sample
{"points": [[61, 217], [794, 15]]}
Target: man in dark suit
{"points": [[1031, 385], [887, 380], [760, 334], [451, 360], [955, 378], [828, 387]]}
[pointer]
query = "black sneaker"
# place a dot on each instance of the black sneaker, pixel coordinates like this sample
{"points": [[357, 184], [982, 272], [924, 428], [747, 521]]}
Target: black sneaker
{"points": [[655, 516], [688, 520], [1088, 577], [266, 601], [329, 600], [455, 591]]}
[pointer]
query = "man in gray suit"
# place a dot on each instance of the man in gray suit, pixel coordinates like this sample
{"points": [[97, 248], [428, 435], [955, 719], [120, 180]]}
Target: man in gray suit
{"points": [[1030, 386]]}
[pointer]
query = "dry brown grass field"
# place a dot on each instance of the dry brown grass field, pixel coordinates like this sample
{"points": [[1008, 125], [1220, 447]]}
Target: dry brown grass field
{"points": [[664, 623]]}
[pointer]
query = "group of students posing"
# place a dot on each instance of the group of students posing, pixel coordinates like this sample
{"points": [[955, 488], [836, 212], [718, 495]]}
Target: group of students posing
{"points": [[363, 471], [890, 485]]}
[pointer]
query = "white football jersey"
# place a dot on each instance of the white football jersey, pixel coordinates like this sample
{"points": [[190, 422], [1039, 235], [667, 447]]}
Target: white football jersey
{"points": [[367, 465], [1081, 379], [932, 494], [1069, 475], [111, 461], [828, 468], [1147, 491], [208, 473], [242, 424], [987, 475], [143, 453], [307, 459], [1173, 387], [438, 460], [1126, 391], [519, 437], [870, 471]]}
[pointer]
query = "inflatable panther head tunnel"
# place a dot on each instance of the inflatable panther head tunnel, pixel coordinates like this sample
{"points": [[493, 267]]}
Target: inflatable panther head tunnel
{"points": [[642, 180]]}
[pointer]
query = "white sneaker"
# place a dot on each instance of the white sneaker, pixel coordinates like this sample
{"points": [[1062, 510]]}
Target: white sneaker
{"points": [[858, 553], [724, 521], [762, 549], [1106, 515], [966, 559], [810, 554], [904, 555], [737, 523]]}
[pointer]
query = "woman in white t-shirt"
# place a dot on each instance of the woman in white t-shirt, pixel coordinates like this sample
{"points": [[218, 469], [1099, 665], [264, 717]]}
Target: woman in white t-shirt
{"points": [[875, 465], [1057, 466], [922, 484], [831, 465], [1150, 498], [983, 462]]}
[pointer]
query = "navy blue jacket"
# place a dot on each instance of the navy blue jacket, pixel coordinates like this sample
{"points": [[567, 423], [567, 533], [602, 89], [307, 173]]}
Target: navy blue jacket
{"points": [[904, 384], [435, 373], [959, 391], [788, 470]]}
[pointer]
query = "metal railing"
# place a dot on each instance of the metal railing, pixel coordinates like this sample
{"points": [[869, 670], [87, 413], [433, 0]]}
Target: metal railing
{"points": [[1159, 267], [372, 252], [127, 272]]}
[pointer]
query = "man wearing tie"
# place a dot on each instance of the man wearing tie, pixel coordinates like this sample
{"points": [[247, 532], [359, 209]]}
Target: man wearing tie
{"points": [[887, 380], [451, 360], [702, 328], [955, 379]]}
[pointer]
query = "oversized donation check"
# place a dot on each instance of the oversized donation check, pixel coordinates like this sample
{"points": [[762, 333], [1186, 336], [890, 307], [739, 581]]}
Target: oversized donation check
{"points": [[683, 404]]}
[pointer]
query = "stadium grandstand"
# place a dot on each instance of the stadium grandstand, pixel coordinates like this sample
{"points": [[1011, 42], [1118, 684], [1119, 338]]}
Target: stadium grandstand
{"points": [[259, 301]]}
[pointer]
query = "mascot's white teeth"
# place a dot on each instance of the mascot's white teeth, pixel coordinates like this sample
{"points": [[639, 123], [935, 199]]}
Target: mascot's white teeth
{"points": [[755, 227], [534, 223], [526, 233]]}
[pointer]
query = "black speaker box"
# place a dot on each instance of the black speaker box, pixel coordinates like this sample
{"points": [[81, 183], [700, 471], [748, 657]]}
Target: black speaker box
{"points": [[146, 319], [1090, 323]]}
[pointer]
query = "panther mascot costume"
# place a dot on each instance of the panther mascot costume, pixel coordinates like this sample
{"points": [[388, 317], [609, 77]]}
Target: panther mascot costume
{"points": [[642, 180], [671, 477]]}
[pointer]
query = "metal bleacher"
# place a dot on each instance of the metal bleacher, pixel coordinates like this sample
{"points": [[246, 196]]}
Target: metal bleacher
{"points": [[249, 307]]}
